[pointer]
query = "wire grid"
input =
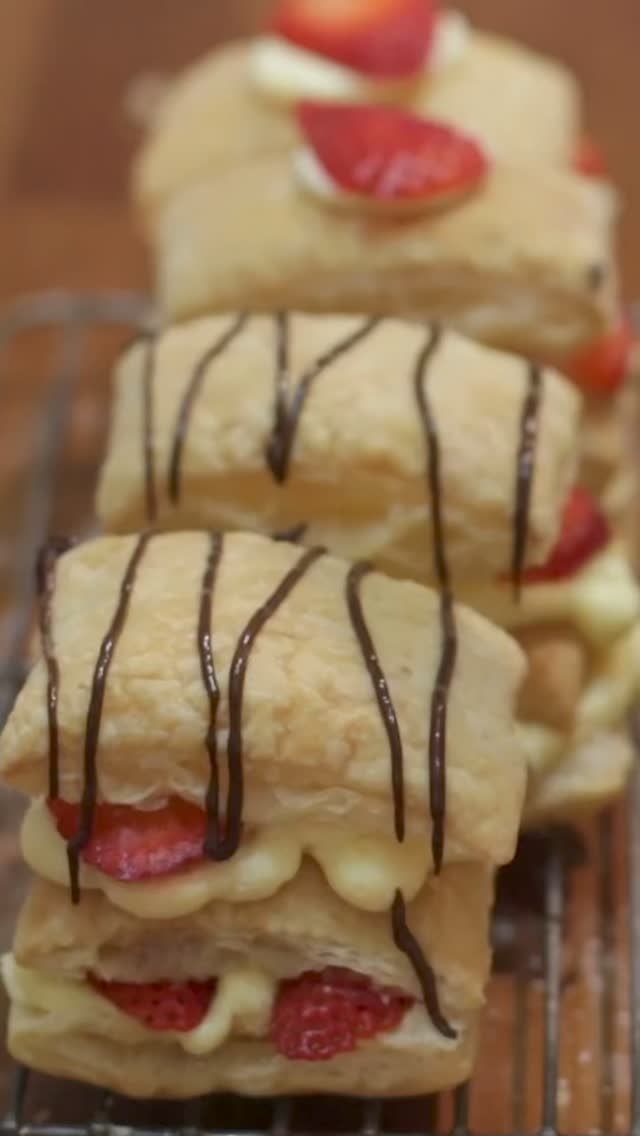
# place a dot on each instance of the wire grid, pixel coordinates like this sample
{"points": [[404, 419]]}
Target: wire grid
{"points": [[74, 316]]}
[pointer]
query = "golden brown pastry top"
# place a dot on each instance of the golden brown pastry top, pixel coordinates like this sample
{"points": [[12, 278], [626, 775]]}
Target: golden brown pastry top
{"points": [[313, 738], [527, 262], [357, 475], [306, 926], [524, 107]]}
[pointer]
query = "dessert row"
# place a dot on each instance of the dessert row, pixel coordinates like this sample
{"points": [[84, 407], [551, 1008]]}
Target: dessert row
{"points": [[365, 602]]}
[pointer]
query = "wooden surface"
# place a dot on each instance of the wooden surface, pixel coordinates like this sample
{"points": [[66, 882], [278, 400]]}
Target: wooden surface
{"points": [[65, 142]]}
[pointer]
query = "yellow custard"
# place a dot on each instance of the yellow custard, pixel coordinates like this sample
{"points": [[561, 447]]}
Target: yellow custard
{"points": [[241, 1006], [364, 870]]}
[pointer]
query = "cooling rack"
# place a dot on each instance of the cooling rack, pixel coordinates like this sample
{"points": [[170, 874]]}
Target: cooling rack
{"points": [[561, 1048]]}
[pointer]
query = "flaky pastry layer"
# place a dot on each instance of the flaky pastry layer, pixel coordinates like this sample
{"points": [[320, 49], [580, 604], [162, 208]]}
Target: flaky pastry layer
{"points": [[408, 1062], [305, 926], [314, 743], [527, 262], [357, 473], [591, 775], [524, 107], [609, 689]]}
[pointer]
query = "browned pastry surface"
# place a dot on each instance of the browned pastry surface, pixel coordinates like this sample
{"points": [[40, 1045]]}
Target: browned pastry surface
{"points": [[357, 474], [312, 735], [512, 265], [305, 926], [558, 662], [495, 88], [400, 1064]]}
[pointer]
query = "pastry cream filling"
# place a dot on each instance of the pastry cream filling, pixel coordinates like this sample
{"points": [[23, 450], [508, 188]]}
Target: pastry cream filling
{"points": [[601, 601], [612, 688], [364, 870], [241, 1006], [282, 71]]}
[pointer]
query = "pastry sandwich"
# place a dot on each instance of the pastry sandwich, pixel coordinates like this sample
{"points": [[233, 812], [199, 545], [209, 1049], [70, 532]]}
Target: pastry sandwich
{"points": [[487, 85], [326, 426], [406, 166], [264, 863]]}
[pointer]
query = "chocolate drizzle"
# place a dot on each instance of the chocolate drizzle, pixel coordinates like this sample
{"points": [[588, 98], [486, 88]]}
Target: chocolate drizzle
{"points": [[186, 407], [406, 942], [402, 935], [46, 581], [294, 535], [149, 343], [287, 412], [94, 716], [439, 698], [381, 690], [209, 678], [226, 848], [524, 474]]}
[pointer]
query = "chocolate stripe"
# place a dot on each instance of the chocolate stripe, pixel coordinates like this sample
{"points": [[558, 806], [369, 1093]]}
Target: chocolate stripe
{"points": [[94, 716], [191, 394], [210, 681], [381, 691], [440, 695], [525, 469], [226, 848], [46, 565], [287, 414]]}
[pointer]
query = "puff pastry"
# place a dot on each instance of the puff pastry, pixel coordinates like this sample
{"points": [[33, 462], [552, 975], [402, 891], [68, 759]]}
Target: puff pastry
{"points": [[204, 395], [591, 775], [527, 262], [494, 89], [250, 949], [607, 460], [407, 1063], [311, 735], [306, 926]]}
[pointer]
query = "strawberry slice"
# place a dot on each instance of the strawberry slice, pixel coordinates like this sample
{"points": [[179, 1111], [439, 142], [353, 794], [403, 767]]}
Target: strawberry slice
{"points": [[132, 844], [385, 39], [176, 1006], [323, 1013], [585, 531], [391, 155], [589, 159], [602, 367]]}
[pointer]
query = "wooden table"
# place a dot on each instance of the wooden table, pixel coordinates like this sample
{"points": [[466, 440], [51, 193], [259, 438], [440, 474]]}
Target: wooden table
{"points": [[65, 143]]}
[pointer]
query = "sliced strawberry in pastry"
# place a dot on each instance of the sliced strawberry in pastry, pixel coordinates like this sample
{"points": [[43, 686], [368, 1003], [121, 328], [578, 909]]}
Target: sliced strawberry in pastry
{"points": [[390, 155], [589, 159], [131, 844], [176, 1006], [585, 531], [603, 367], [385, 39], [327, 1012]]}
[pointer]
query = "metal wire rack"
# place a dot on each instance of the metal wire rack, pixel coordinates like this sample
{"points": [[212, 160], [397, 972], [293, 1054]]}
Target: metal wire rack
{"points": [[523, 1082]]}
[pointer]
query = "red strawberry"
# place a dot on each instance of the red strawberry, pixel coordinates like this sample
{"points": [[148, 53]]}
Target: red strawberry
{"points": [[179, 1006], [387, 39], [589, 159], [585, 530], [603, 367], [391, 155], [131, 844], [324, 1013]]}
